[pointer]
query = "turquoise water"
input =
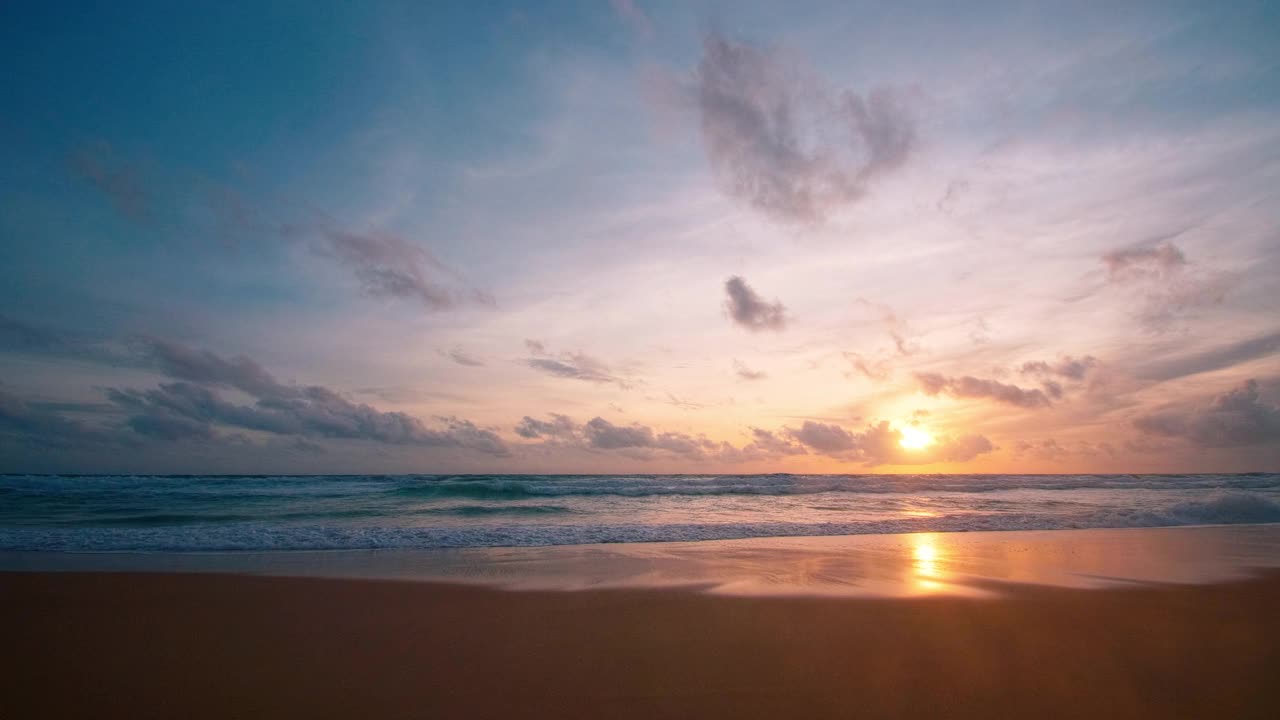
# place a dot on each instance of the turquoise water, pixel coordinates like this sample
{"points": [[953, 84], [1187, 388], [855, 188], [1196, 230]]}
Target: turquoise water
{"points": [[264, 513]]}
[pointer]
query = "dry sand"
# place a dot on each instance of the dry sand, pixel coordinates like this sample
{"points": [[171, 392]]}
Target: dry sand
{"points": [[108, 645]]}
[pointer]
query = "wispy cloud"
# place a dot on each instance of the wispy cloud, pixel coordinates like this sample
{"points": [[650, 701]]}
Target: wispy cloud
{"points": [[573, 366], [461, 357], [97, 164], [743, 372], [1216, 358]]}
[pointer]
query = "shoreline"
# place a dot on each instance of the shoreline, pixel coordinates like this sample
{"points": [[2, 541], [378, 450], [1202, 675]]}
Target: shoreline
{"points": [[152, 645], [891, 565]]}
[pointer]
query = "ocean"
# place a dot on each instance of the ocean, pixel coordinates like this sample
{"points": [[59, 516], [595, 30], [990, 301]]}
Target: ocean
{"points": [[271, 513]]}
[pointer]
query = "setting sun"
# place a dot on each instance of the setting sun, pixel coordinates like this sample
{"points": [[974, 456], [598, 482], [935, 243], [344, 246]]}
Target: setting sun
{"points": [[913, 438]]}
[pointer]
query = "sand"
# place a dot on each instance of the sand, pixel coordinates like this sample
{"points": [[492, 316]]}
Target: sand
{"points": [[168, 645]]}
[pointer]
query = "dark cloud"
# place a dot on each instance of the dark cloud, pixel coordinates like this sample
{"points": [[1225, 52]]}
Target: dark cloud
{"points": [[1224, 356], [559, 426], [972, 387], [121, 183], [184, 410], [745, 373], [26, 422], [23, 337], [786, 146], [201, 366], [461, 357], [601, 433], [192, 408], [748, 309], [1236, 418]]}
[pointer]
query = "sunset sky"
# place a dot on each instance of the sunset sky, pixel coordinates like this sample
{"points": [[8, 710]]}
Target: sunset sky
{"points": [[637, 236]]}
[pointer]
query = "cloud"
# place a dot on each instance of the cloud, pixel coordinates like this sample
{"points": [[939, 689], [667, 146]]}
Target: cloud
{"points": [[683, 403], [878, 370], [191, 408], [204, 367], [880, 444], [745, 373], [826, 439], [1140, 263], [572, 365], [27, 423], [97, 164], [461, 357], [895, 326], [183, 410], [17, 335], [1236, 418], [642, 442], [1168, 288], [786, 146], [22, 337], [559, 426], [1051, 449], [766, 444], [1214, 359], [601, 433], [749, 310], [633, 16], [972, 387], [384, 265], [1066, 367], [389, 266]]}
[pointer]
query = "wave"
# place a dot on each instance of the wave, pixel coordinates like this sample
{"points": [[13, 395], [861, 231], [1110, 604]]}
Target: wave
{"points": [[1220, 508], [521, 487], [509, 487]]}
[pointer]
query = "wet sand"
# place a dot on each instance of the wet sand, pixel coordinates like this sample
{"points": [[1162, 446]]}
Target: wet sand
{"points": [[166, 645]]}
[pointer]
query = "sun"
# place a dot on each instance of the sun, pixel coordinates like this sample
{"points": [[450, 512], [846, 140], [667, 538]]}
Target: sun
{"points": [[913, 438]]}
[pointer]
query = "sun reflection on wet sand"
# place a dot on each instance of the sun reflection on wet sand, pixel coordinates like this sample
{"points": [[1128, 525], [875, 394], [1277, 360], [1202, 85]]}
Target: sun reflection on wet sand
{"points": [[926, 577]]}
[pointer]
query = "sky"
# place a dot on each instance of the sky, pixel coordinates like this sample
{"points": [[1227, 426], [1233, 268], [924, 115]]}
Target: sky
{"points": [[632, 236]]}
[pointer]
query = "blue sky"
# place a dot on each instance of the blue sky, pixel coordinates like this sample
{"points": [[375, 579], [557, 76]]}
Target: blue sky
{"points": [[407, 237]]}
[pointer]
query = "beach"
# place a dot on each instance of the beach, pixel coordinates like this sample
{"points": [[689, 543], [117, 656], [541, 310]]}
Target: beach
{"points": [[219, 644]]}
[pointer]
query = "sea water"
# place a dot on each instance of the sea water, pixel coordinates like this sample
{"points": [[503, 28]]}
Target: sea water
{"points": [[271, 513]]}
